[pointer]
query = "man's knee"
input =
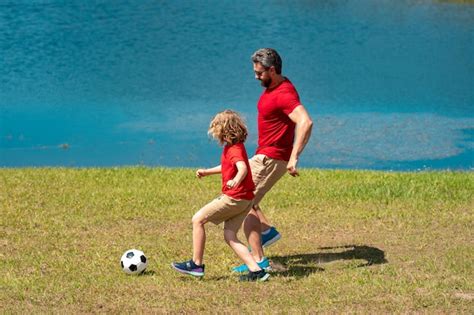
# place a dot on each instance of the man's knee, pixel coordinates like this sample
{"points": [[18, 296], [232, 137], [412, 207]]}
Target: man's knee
{"points": [[252, 223], [229, 236], [252, 217]]}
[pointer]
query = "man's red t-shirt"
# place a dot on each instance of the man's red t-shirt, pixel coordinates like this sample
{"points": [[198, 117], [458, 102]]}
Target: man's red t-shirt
{"points": [[230, 156], [276, 131]]}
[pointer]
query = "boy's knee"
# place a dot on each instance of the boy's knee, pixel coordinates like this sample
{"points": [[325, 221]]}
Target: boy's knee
{"points": [[197, 219]]}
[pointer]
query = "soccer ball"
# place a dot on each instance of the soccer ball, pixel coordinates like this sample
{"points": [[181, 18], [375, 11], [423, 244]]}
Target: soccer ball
{"points": [[133, 261]]}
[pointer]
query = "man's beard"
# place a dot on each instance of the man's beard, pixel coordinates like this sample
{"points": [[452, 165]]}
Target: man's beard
{"points": [[266, 83]]}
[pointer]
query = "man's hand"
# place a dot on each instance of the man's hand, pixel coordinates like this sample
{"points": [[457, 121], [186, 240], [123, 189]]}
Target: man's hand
{"points": [[291, 167], [304, 125], [200, 173]]}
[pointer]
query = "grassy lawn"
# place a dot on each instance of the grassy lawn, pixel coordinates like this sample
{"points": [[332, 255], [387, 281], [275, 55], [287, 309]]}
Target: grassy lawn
{"points": [[353, 241]]}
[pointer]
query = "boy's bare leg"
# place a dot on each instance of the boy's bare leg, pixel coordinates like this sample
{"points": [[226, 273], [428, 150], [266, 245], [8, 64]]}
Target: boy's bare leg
{"points": [[199, 238], [252, 232], [241, 250]]}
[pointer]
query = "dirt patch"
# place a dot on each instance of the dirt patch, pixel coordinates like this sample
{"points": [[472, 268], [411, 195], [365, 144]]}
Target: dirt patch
{"points": [[464, 296]]}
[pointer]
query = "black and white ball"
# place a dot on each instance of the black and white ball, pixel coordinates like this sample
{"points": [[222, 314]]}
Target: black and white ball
{"points": [[133, 261]]}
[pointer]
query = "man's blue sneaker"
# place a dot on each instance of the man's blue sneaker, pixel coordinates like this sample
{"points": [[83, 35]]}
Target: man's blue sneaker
{"points": [[189, 267], [264, 264], [257, 276], [270, 236]]}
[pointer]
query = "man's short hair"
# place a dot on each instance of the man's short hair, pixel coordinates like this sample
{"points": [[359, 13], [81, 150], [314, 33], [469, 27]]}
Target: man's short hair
{"points": [[268, 57]]}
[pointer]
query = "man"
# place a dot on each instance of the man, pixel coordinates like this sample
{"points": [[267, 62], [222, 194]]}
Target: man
{"points": [[284, 128]]}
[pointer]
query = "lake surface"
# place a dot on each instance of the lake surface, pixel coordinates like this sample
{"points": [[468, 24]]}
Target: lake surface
{"points": [[389, 84]]}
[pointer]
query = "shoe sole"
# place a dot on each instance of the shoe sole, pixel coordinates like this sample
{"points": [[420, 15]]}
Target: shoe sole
{"points": [[264, 278], [192, 273], [267, 268], [271, 241]]}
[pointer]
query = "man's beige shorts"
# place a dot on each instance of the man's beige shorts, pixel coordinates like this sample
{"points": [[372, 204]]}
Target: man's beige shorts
{"points": [[226, 209], [265, 173]]}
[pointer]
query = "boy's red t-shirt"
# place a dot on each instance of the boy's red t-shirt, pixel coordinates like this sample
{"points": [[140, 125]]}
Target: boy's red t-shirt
{"points": [[230, 156], [276, 131]]}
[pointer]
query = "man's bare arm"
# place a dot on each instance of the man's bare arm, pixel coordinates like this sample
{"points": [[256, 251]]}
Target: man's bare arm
{"points": [[304, 125]]}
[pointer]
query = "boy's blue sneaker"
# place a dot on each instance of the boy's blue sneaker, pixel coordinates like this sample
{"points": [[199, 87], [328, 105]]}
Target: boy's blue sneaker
{"points": [[264, 264], [189, 267], [270, 236], [257, 276]]}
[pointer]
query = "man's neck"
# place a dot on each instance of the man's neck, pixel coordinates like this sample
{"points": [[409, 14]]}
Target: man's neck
{"points": [[278, 79]]}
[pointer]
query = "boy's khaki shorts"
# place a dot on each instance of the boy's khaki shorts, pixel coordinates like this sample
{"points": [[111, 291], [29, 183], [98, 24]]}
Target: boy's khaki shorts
{"points": [[265, 173], [229, 210]]}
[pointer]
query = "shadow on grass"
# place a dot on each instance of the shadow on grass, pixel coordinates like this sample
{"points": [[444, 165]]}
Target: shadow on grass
{"points": [[302, 265], [147, 273]]}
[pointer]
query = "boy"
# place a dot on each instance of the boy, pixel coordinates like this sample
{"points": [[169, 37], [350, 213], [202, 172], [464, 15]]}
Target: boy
{"points": [[235, 202]]}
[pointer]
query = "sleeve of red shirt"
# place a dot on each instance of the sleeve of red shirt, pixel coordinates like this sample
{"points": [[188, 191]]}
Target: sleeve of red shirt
{"points": [[235, 154], [288, 100]]}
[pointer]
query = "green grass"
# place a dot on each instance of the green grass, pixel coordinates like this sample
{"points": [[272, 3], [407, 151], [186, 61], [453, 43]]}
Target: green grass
{"points": [[353, 241]]}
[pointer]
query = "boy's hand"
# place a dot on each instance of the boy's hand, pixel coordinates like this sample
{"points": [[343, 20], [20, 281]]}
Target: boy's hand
{"points": [[200, 173], [230, 183]]}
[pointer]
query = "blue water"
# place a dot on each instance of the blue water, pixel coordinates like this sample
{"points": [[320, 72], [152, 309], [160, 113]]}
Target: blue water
{"points": [[389, 84]]}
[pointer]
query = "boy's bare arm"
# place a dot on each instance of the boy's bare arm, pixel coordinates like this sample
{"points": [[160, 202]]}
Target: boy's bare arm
{"points": [[208, 171], [241, 173]]}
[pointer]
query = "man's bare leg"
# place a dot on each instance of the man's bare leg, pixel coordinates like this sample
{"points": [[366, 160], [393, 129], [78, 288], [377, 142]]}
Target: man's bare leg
{"points": [[264, 223], [268, 233]]}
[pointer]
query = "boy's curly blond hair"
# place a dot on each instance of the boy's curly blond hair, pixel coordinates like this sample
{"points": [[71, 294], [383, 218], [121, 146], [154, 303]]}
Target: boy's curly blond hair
{"points": [[228, 127]]}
